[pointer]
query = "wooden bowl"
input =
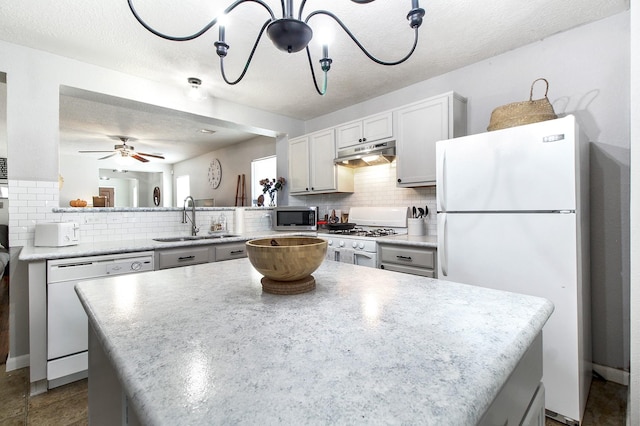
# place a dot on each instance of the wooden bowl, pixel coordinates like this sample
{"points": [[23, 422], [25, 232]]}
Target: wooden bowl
{"points": [[286, 258]]}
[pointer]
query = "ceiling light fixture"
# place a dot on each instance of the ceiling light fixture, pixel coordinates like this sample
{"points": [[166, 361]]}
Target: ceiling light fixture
{"points": [[195, 90], [289, 34]]}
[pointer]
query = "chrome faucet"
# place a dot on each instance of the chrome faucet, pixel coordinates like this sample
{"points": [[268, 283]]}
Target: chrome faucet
{"points": [[194, 228]]}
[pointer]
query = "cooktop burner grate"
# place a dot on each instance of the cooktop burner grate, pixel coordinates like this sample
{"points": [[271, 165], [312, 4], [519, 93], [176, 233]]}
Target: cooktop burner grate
{"points": [[361, 232]]}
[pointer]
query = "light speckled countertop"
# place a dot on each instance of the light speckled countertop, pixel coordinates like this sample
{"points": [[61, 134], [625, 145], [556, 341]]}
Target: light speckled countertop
{"points": [[31, 253], [204, 345], [430, 241]]}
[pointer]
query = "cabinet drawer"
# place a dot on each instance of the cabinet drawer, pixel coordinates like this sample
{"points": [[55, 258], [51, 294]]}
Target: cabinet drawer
{"points": [[182, 257], [422, 258], [409, 270], [230, 251]]}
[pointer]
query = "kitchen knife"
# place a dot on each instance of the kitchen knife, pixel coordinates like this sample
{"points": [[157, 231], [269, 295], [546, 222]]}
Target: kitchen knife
{"points": [[415, 213]]}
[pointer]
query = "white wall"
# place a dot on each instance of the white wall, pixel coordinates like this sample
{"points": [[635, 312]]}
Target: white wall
{"points": [[81, 178], [235, 160], [588, 71], [35, 80], [634, 385]]}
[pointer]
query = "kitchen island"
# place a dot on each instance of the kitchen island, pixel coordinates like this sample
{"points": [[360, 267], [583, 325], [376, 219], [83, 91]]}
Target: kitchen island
{"points": [[204, 345]]}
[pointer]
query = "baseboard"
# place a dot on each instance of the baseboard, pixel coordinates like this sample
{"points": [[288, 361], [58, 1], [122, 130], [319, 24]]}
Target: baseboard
{"points": [[620, 377], [18, 362]]}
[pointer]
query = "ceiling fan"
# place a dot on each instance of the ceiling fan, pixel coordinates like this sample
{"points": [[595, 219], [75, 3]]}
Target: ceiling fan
{"points": [[126, 151]]}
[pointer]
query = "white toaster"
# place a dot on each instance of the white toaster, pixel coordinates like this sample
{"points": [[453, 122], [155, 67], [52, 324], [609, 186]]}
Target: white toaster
{"points": [[57, 234]]}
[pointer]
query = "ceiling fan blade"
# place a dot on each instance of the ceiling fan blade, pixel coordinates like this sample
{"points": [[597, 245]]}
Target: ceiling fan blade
{"points": [[108, 156], [151, 155], [137, 157]]}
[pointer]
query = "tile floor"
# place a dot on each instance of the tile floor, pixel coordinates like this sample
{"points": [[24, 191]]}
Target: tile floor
{"points": [[63, 406], [67, 405]]}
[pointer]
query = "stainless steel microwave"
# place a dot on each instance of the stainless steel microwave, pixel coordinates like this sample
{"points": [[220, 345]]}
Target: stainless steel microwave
{"points": [[292, 218]]}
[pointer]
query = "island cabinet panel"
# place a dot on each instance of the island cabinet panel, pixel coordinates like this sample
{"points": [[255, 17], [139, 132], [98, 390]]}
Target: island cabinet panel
{"points": [[521, 399], [182, 256], [419, 127], [229, 251], [408, 259], [311, 167], [370, 129]]}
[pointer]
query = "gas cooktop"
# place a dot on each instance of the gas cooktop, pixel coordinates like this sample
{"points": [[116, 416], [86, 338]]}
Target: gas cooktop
{"points": [[361, 232]]}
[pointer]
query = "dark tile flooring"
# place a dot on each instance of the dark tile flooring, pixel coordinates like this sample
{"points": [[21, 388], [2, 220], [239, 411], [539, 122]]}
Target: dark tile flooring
{"points": [[606, 405], [63, 406], [67, 405]]}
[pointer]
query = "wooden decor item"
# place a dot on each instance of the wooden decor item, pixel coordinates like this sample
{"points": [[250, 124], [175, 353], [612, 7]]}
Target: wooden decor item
{"points": [[288, 287], [287, 261], [100, 201], [240, 191]]}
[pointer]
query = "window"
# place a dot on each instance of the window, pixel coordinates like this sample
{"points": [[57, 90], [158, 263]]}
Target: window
{"points": [[262, 168], [182, 189]]}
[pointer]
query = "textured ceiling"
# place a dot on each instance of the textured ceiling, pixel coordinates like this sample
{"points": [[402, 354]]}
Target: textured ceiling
{"points": [[455, 33]]}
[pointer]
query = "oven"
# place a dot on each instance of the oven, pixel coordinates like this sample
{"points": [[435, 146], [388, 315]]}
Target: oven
{"points": [[351, 249], [356, 244]]}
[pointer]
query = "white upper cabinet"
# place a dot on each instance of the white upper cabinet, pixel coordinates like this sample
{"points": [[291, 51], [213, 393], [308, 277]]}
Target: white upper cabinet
{"points": [[299, 165], [311, 167], [370, 129], [418, 127]]}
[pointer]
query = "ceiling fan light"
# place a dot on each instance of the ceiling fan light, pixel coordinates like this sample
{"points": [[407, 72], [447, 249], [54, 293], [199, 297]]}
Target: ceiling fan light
{"points": [[124, 159]]}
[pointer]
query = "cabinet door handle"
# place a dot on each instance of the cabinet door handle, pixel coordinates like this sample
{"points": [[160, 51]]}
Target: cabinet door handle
{"points": [[360, 140], [181, 258], [404, 258], [236, 251], [364, 139], [399, 180]]}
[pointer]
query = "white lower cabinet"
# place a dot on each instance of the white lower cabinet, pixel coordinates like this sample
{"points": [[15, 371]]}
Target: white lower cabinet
{"points": [[181, 256], [229, 251], [418, 127], [408, 259], [311, 167]]}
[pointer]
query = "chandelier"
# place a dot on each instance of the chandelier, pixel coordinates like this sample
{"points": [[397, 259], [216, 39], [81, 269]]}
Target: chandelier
{"points": [[290, 34]]}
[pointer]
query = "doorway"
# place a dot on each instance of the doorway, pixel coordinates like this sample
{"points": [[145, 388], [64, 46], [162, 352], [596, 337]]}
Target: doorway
{"points": [[109, 194]]}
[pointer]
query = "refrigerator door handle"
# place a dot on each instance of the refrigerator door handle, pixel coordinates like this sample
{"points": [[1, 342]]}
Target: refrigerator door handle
{"points": [[440, 178], [442, 246]]}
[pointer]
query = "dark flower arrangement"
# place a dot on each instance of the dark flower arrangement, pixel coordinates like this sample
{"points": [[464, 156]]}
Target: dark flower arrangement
{"points": [[272, 186]]}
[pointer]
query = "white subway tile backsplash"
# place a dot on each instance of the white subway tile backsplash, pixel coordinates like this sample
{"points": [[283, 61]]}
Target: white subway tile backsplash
{"points": [[375, 186], [32, 201]]}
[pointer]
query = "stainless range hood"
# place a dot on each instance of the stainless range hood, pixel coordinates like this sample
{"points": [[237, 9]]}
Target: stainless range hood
{"points": [[367, 155]]}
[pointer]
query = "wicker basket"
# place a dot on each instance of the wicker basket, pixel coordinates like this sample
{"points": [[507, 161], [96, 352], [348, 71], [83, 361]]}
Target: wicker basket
{"points": [[519, 113]]}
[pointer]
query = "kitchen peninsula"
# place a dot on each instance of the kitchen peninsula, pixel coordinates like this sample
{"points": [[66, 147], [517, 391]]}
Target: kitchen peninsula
{"points": [[204, 345]]}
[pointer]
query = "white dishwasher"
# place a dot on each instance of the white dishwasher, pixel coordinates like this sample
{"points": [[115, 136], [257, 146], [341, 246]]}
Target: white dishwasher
{"points": [[67, 326]]}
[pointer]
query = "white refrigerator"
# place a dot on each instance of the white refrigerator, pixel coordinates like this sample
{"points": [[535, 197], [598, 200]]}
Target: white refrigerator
{"points": [[513, 214]]}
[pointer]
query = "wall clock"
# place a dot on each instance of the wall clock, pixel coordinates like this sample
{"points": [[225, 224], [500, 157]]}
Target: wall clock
{"points": [[215, 173]]}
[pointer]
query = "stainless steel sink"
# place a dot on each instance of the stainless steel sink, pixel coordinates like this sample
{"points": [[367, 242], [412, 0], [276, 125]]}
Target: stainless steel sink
{"points": [[193, 238]]}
